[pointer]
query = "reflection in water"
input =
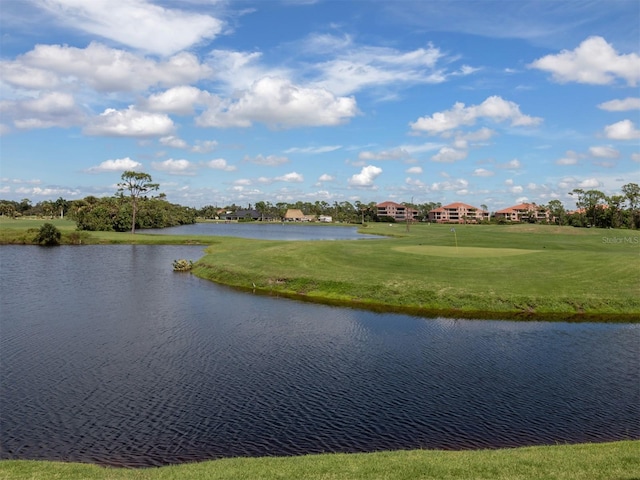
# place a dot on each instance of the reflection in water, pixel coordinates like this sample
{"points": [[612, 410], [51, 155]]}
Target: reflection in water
{"points": [[110, 357]]}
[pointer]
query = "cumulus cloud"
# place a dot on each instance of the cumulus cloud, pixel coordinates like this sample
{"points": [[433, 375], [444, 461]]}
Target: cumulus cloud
{"points": [[116, 165], [136, 23], [623, 130], [269, 160], [482, 172], [53, 109], [366, 177], [629, 103], [494, 108], [129, 123], [449, 155], [173, 141], [291, 177], [514, 164], [458, 185], [179, 100], [594, 62], [326, 178], [635, 157], [589, 183], [101, 68], [220, 164], [278, 103], [204, 146], [414, 170], [570, 158], [604, 151], [175, 167]]}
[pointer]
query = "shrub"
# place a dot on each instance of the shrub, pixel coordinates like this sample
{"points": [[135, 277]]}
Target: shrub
{"points": [[182, 265], [48, 235]]}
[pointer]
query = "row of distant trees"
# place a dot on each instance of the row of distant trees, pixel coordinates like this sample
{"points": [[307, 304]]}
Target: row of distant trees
{"points": [[133, 207]]}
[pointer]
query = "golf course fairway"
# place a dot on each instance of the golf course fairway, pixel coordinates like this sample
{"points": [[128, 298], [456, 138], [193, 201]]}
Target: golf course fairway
{"points": [[540, 272]]}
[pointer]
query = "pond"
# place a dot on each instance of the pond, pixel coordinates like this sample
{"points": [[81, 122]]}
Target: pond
{"points": [[268, 231], [110, 357]]}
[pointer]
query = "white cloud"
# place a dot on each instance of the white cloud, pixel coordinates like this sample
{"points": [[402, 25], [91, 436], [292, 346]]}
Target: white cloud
{"points": [[366, 177], [129, 123], [393, 154], [629, 103], [313, 150], [482, 172], [175, 167], [179, 100], [449, 155], [594, 62], [220, 164], [508, 182], [291, 177], [53, 109], [414, 170], [102, 68], [635, 157], [623, 130], [516, 189], [589, 183], [604, 151], [205, 146], [279, 103], [357, 67], [326, 178], [136, 23], [494, 108], [117, 165], [570, 158], [458, 185], [514, 164], [269, 161], [173, 141]]}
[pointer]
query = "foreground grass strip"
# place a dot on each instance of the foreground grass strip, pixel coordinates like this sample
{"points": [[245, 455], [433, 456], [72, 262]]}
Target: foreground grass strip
{"points": [[606, 461]]}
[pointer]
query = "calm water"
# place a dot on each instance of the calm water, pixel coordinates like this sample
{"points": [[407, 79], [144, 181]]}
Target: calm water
{"points": [[107, 356], [268, 231]]}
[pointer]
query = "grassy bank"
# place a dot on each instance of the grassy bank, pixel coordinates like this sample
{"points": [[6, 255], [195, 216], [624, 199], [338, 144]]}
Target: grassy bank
{"points": [[22, 231], [491, 271], [606, 461]]}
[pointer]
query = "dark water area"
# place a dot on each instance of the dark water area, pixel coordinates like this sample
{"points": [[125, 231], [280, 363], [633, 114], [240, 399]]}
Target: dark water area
{"points": [[267, 231], [107, 356]]}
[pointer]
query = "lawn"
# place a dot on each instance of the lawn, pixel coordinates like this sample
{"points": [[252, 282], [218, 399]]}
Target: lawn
{"points": [[531, 271], [606, 461]]}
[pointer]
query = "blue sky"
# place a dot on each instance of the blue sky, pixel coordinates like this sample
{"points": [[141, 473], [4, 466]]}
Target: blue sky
{"points": [[483, 102]]}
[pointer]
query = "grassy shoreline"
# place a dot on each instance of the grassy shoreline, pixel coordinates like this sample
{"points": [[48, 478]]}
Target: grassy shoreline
{"points": [[516, 272], [599, 461]]}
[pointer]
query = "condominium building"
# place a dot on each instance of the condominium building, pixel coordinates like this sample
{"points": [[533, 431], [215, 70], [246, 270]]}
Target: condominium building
{"points": [[458, 213], [524, 212], [396, 211]]}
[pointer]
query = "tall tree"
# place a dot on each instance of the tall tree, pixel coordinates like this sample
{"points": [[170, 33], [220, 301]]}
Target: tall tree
{"points": [[632, 192], [137, 184]]}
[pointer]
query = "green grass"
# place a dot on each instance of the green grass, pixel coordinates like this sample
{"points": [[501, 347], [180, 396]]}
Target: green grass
{"points": [[519, 271], [606, 461]]}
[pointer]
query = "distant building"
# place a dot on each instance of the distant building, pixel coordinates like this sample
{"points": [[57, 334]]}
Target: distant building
{"points": [[397, 211], [325, 218], [458, 213], [243, 214], [296, 215], [524, 212]]}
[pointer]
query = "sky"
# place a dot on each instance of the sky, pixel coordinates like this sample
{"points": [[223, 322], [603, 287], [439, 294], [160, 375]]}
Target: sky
{"points": [[484, 102]]}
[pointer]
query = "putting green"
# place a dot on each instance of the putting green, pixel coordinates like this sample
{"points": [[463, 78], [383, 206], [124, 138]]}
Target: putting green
{"points": [[466, 252]]}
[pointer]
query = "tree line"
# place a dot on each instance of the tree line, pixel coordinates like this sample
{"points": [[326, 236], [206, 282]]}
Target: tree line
{"points": [[132, 207]]}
